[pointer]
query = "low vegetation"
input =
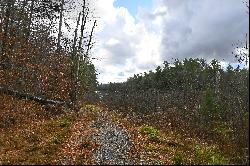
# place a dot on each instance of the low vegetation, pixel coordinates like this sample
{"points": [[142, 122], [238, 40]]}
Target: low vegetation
{"points": [[187, 112], [192, 97], [151, 132], [46, 137]]}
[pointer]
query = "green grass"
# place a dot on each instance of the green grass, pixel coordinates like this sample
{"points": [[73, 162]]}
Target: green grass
{"points": [[150, 131], [57, 139], [178, 159], [38, 145], [223, 129], [209, 155], [64, 121]]}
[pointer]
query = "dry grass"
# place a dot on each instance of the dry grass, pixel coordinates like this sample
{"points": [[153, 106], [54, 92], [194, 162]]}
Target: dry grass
{"points": [[32, 134]]}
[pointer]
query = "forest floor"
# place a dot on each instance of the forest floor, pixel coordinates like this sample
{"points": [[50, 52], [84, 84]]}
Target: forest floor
{"points": [[35, 134]]}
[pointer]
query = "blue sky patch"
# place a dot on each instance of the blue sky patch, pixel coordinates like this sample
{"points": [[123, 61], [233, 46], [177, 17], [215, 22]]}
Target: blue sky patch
{"points": [[132, 5]]}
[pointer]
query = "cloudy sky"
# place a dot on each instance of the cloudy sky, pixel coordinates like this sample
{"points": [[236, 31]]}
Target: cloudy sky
{"points": [[134, 36]]}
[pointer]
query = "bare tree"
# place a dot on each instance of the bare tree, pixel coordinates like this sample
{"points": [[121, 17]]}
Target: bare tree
{"points": [[241, 52], [27, 40], [60, 25]]}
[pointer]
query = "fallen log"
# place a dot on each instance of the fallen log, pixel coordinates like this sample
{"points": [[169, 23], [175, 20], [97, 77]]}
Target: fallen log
{"points": [[27, 96]]}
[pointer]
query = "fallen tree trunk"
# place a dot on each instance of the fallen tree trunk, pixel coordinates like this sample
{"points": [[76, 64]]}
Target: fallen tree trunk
{"points": [[27, 96]]}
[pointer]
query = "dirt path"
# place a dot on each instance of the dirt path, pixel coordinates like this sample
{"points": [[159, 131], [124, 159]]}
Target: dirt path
{"points": [[102, 137], [96, 140], [114, 143]]}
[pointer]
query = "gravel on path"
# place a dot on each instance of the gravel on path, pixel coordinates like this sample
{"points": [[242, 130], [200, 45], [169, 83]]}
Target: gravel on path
{"points": [[114, 143]]}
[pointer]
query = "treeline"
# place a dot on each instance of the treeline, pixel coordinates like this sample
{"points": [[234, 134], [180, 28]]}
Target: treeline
{"points": [[196, 97], [38, 57], [192, 78]]}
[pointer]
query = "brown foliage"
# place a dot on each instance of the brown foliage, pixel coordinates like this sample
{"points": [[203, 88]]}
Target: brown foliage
{"points": [[37, 70], [229, 130]]}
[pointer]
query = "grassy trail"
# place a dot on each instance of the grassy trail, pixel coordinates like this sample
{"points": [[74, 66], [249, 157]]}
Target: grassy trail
{"points": [[31, 134]]}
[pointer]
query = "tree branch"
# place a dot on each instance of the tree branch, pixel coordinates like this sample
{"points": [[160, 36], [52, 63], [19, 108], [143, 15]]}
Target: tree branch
{"points": [[27, 96]]}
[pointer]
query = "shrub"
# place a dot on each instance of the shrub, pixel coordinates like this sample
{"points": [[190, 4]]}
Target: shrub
{"points": [[223, 128], [64, 122], [210, 156], [210, 105], [57, 139], [178, 159], [150, 131]]}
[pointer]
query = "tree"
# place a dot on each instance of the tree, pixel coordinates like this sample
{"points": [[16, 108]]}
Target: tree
{"points": [[80, 55], [31, 56], [60, 25], [241, 49]]}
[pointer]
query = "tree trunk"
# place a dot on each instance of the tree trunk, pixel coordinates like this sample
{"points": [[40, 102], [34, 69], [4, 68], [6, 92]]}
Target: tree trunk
{"points": [[6, 26], [60, 26], [84, 19], [4, 90], [30, 20], [74, 58], [89, 43], [4, 60]]}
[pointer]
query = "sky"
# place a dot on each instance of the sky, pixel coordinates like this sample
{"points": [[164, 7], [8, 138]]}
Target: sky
{"points": [[133, 5], [134, 36]]}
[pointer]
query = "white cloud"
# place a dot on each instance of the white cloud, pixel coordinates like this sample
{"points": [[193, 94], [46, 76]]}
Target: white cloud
{"points": [[124, 45], [203, 28], [171, 29]]}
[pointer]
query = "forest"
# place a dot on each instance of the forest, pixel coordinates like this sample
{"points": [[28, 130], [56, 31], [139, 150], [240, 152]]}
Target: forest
{"points": [[53, 110], [37, 58], [195, 96]]}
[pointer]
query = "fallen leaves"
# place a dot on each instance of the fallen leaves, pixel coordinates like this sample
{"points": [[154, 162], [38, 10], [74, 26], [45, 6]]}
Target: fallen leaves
{"points": [[32, 136]]}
